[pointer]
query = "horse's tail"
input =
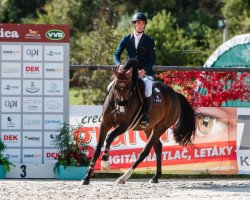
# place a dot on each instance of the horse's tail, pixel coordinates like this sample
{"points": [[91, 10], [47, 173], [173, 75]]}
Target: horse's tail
{"points": [[185, 126]]}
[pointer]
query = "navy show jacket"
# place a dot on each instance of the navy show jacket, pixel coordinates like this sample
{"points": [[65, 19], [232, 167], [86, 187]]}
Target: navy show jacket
{"points": [[145, 52]]}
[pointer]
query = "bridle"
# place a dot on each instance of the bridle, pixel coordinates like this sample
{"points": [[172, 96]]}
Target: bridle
{"points": [[121, 86]]}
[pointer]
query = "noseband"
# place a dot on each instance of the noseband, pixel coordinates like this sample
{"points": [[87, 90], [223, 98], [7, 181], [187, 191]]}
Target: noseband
{"points": [[121, 104]]}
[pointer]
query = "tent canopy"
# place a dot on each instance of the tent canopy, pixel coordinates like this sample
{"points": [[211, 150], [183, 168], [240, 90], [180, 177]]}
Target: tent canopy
{"points": [[234, 52]]}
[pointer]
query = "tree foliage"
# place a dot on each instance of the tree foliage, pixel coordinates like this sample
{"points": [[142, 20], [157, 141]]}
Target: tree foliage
{"points": [[12, 11], [237, 14]]}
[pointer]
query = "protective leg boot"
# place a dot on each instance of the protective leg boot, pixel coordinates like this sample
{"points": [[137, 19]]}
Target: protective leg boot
{"points": [[145, 112]]}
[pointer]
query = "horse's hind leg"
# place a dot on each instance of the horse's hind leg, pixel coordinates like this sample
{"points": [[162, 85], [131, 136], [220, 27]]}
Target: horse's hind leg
{"points": [[105, 165], [103, 132], [158, 151], [142, 156]]}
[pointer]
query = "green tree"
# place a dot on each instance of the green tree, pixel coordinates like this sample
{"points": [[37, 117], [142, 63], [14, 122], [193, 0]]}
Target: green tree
{"points": [[13, 11], [172, 47], [237, 14], [76, 13]]}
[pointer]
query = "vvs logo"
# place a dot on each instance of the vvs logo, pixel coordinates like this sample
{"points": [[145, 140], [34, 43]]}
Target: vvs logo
{"points": [[55, 34]]}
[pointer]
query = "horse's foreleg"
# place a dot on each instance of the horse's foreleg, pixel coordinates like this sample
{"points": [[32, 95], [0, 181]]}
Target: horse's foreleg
{"points": [[158, 151], [105, 165], [142, 156], [90, 172]]}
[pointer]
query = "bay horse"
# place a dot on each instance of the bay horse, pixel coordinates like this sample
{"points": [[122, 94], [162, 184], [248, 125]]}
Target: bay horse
{"points": [[122, 110]]}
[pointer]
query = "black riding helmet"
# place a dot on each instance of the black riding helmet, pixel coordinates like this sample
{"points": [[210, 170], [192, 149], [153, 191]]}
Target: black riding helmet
{"points": [[139, 16]]}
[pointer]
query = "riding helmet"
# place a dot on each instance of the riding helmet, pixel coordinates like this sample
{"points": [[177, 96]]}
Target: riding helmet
{"points": [[139, 16]]}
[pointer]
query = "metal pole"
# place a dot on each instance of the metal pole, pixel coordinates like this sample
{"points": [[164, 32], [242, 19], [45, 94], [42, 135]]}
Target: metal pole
{"points": [[225, 31]]}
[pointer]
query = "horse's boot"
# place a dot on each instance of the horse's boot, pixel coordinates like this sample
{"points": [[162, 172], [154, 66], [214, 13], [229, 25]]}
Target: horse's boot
{"points": [[146, 107]]}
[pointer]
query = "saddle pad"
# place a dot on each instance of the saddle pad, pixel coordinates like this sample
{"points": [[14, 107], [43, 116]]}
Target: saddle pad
{"points": [[157, 97]]}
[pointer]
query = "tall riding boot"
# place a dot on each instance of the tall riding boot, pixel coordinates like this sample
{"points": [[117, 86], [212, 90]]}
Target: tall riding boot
{"points": [[146, 107]]}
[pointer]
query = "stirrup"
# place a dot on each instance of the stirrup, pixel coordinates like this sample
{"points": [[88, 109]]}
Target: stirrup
{"points": [[144, 121]]}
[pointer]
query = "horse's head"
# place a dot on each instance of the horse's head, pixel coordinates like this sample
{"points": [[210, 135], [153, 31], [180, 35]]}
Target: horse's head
{"points": [[124, 83]]}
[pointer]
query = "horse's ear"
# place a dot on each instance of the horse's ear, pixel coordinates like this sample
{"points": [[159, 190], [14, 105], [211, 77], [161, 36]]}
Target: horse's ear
{"points": [[128, 73], [115, 71]]}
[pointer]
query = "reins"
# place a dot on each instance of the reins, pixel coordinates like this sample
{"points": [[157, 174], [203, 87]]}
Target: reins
{"points": [[120, 106]]}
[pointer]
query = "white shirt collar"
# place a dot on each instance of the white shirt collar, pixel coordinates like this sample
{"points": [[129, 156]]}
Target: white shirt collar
{"points": [[137, 39]]}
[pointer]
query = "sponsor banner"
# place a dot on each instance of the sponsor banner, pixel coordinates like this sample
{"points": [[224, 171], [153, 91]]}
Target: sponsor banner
{"points": [[214, 144], [11, 104], [49, 138], [11, 52], [32, 156], [53, 104], [32, 104], [10, 87], [53, 122], [34, 53], [34, 33], [32, 121], [32, 70], [11, 70], [14, 155], [34, 62], [11, 138], [53, 87], [32, 139], [243, 140], [50, 155], [11, 121], [32, 87], [53, 70], [53, 53]]}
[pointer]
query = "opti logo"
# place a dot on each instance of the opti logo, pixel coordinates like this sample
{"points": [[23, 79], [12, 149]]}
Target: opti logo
{"points": [[55, 34], [32, 52]]}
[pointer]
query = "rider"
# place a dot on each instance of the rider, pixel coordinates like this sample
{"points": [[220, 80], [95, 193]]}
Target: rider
{"points": [[141, 46]]}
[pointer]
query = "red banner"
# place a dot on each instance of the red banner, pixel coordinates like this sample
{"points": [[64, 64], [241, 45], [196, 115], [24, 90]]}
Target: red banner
{"points": [[34, 33]]}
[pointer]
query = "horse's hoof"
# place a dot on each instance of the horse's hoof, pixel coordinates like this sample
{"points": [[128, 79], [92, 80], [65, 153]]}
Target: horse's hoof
{"points": [[85, 182], [105, 165], [153, 181], [120, 181]]}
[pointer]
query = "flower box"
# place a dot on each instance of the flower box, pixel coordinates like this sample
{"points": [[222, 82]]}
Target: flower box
{"points": [[71, 172], [2, 172]]}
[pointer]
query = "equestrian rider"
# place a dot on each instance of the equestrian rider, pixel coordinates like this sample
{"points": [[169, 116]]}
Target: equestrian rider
{"points": [[139, 45]]}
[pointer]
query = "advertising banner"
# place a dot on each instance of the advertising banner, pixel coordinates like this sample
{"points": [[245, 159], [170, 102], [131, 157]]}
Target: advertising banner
{"points": [[243, 140], [214, 149], [34, 74]]}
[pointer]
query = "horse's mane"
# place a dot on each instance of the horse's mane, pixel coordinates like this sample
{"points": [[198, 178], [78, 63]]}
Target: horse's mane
{"points": [[133, 63]]}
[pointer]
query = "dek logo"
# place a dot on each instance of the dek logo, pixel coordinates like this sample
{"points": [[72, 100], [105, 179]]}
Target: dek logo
{"points": [[10, 138], [55, 34]]}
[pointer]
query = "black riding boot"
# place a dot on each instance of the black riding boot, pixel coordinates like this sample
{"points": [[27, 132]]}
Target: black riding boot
{"points": [[146, 107]]}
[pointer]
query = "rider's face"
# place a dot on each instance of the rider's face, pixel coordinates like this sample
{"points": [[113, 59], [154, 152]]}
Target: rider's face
{"points": [[139, 26]]}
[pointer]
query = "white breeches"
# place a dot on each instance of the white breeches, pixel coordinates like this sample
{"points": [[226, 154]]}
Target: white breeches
{"points": [[148, 82]]}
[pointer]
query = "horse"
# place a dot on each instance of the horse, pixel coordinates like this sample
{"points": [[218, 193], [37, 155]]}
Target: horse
{"points": [[122, 110]]}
